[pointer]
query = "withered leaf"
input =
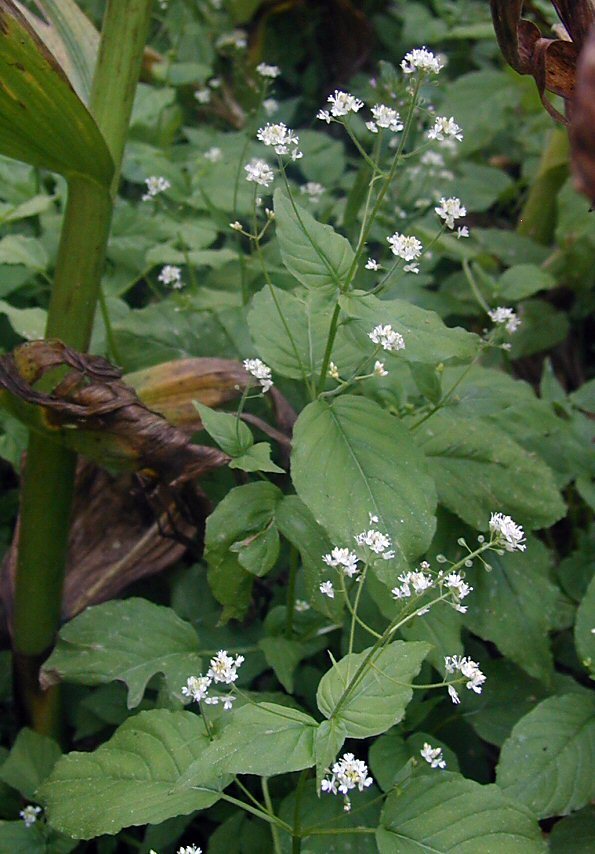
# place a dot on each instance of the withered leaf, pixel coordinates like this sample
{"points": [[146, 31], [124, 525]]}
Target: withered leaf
{"points": [[582, 129]]}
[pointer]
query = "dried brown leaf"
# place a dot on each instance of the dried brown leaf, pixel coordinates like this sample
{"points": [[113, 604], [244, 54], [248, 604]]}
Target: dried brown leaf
{"points": [[582, 129]]}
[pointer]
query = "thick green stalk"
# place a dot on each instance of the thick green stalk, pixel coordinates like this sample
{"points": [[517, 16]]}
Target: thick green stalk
{"points": [[538, 217], [48, 480]]}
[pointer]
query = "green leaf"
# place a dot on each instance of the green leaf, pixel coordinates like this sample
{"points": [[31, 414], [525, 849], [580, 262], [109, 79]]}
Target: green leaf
{"points": [[480, 470], [575, 834], [547, 763], [340, 471], [29, 323], [523, 280], [263, 739], [31, 760], [19, 839], [131, 779], [42, 120], [294, 346], [229, 431], [256, 458], [111, 642], [427, 339], [283, 656], [330, 737], [514, 606], [444, 812], [28, 251], [583, 629], [380, 696], [441, 628], [314, 253]]}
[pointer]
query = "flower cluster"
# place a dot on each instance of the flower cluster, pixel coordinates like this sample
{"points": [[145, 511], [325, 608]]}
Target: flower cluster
{"points": [[171, 275], [407, 248], [469, 669], [261, 371], [449, 210], [281, 138], [387, 338], [270, 106], [347, 773], [433, 756], [418, 582], [371, 264], [259, 172], [313, 190], [421, 59], [213, 155], [345, 559], [236, 39], [223, 669], [413, 583], [506, 533], [505, 317], [342, 103], [445, 128], [376, 541], [185, 849], [385, 118], [265, 70], [155, 185], [29, 815]]}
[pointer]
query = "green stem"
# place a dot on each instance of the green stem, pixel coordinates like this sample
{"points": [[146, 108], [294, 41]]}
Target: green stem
{"points": [[293, 567], [48, 479], [296, 839], [269, 805], [270, 819], [538, 216]]}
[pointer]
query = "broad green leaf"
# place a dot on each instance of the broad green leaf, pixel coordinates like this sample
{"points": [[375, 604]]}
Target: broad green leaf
{"points": [[441, 628], [583, 629], [547, 763], [290, 331], [42, 120], [256, 458], [330, 737], [514, 606], [16, 838], [31, 207], [575, 834], [129, 641], [351, 458], [444, 813], [283, 655], [380, 696], [29, 323], [264, 739], [314, 253], [523, 280], [229, 431], [31, 760], [427, 339], [480, 470], [542, 328], [132, 778], [28, 251]]}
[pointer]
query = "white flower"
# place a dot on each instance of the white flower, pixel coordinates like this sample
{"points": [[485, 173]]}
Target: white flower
{"points": [[213, 155], [379, 370], [432, 159], [505, 317], [237, 226], [324, 116], [236, 38], [155, 185], [326, 588], [385, 117], [433, 756], [223, 667], [261, 371], [343, 558], [371, 264], [457, 585], [260, 172], [270, 106], [375, 540], [268, 70], [449, 210], [190, 849], [228, 702], [171, 275], [301, 605], [196, 687], [214, 83], [507, 533], [29, 814], [419, 581], [280, 137], [343, 103], [333, 371], [387, 338], [454, 696], [468, 668], [348, 773], [423, 60], [203, 95], [407, 248], [313, 190], [445, 128], [462, 231]]}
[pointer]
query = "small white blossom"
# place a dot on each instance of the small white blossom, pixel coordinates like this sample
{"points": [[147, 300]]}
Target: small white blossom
{"points": [[324, 116], [468, 668], [454, 695], [313, 190], [327, 589], [371, 264], [196, 687], [270, 106], [449, 210], [376, 541], [445, 128], [301, 605], [343, 103], [433, 756], [203, 95], [505, 317], [423, 60], [155, 185], [261, 371], [237, 226], [387, 338], [347, 773], [407, 248], [213, 155], [379, 369], [236, 39], [385, 117], [259, 172], [214, 83], [462, 231], [268, 70], [281, 138], [333, 371], [507, 533], [345, 559], [190, 849], [171, 275], [29, 814], [223, 667], [228, 702]]}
